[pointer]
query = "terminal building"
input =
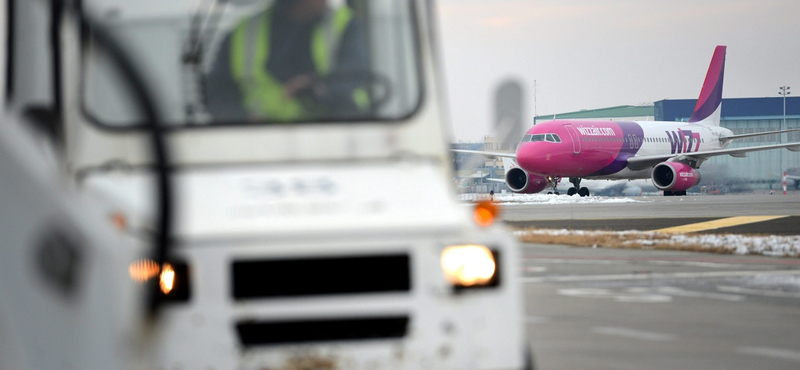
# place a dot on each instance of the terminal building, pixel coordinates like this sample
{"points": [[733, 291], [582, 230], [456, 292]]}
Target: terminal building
{"points": [[758, 171]]}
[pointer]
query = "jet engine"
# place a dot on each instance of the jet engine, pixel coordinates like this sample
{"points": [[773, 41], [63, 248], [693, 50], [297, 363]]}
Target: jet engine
{"points": [[520, 181], [674, 176]]}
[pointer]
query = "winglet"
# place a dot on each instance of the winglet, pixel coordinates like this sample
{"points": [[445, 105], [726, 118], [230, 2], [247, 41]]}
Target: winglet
{"points": [[508, 164], [710, 100]]}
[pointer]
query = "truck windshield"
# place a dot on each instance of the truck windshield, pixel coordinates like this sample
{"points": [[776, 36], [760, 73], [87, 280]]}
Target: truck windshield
{"points": [[215, 62]]}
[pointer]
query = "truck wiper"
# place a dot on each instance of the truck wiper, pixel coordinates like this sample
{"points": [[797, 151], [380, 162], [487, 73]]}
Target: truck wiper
{"points": [[143, 100], [201, 30]]}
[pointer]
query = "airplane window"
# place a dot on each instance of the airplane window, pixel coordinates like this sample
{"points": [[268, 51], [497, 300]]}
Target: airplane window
{"points": [[527, 138], [539, 137], [553, 138]]}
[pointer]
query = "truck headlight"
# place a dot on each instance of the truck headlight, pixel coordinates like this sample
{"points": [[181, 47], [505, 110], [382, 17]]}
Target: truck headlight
{"points": [[173, 278], [469, 266]]}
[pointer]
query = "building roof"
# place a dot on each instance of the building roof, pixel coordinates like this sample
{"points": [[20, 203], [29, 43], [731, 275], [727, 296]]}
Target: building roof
{"points": [[620, 111], [681, 109], [732, 108]]}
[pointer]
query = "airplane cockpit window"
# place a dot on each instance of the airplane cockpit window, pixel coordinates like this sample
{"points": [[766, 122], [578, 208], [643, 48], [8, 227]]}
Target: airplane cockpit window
{"points": [[553, 138], [259, 61]]}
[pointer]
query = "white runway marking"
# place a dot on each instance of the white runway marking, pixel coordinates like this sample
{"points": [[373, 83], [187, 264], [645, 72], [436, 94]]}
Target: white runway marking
{"points": [[782, 354], [581, 261], [713, 265], [627, 296], [646, 294], [643, 298], [759, 292], [651, 276], [534, 269], [674, 291], [634, 334]]}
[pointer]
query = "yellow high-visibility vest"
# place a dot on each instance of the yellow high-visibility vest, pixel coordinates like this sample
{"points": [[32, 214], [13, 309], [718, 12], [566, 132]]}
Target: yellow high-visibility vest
{"points": [[262, 94]]}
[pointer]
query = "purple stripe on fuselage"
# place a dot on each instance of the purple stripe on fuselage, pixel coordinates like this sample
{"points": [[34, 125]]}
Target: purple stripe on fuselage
{"points": [[633, 136]]}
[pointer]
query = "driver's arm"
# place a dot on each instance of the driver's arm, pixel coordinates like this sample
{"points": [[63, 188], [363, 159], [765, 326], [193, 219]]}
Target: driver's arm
{"points": [[351, 71]]}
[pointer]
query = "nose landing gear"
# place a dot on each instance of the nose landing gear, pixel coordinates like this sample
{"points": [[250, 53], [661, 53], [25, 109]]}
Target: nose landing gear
{"points": [[553, 183], [577, 189]]}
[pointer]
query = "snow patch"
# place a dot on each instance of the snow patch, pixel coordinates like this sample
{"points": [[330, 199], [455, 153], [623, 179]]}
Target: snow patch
{"points": [[772, 245], [528, 199]]}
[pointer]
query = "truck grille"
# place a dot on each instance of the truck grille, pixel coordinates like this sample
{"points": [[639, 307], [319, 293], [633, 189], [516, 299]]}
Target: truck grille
{"points": [[254, 279], [253, 333]]}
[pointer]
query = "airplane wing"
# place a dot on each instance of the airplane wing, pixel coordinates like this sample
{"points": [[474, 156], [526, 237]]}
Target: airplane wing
{"points": [[486, 154], [742, 136], [641, 162]]}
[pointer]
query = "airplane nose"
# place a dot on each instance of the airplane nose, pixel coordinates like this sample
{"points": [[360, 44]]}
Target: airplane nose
{"points": [[528, 157]]}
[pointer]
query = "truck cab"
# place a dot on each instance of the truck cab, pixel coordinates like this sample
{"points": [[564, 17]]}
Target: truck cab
{"points": [[320, 232]]}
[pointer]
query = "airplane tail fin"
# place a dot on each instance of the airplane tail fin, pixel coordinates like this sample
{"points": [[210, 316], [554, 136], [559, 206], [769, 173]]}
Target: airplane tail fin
{"points": [[709, 103]]}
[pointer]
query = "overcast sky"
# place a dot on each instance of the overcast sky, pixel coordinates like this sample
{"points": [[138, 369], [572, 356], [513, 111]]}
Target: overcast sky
{"points": [[588, 54]]}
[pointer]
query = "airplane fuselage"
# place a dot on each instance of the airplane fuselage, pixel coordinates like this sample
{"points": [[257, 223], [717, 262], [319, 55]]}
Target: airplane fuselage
{"points": [[599, 149]]}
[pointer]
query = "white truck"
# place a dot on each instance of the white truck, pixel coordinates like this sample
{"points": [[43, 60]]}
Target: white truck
{"points": [[326, 239]]}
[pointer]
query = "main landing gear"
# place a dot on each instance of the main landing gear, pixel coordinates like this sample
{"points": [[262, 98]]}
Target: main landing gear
{"points": [[577, 189]]}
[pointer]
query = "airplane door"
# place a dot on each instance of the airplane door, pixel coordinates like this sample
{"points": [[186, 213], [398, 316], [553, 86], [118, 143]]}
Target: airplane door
{"points": [[576, 140]]}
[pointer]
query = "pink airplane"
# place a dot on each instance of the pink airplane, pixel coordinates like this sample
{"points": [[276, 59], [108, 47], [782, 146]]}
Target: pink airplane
{"points": [[669, 153]]}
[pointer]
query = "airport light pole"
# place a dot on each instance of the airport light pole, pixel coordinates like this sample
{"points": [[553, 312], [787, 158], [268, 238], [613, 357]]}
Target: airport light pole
{"points": [[784, 91]]}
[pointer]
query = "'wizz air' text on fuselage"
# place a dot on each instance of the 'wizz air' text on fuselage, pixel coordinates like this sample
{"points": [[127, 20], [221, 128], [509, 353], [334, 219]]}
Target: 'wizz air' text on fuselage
{"points": [[681, 141], [596, 131]]}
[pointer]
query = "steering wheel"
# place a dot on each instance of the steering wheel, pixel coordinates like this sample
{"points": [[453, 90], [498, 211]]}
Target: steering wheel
{"points": [[378, 86]]}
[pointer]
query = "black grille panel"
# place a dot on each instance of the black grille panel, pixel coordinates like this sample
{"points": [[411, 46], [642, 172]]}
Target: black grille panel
{"points": [[254, 333], [320, 276]]}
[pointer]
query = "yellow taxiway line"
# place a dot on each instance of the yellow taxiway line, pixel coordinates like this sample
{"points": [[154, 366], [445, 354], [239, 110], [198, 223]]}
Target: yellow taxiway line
{"points": [[716, 224]]}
